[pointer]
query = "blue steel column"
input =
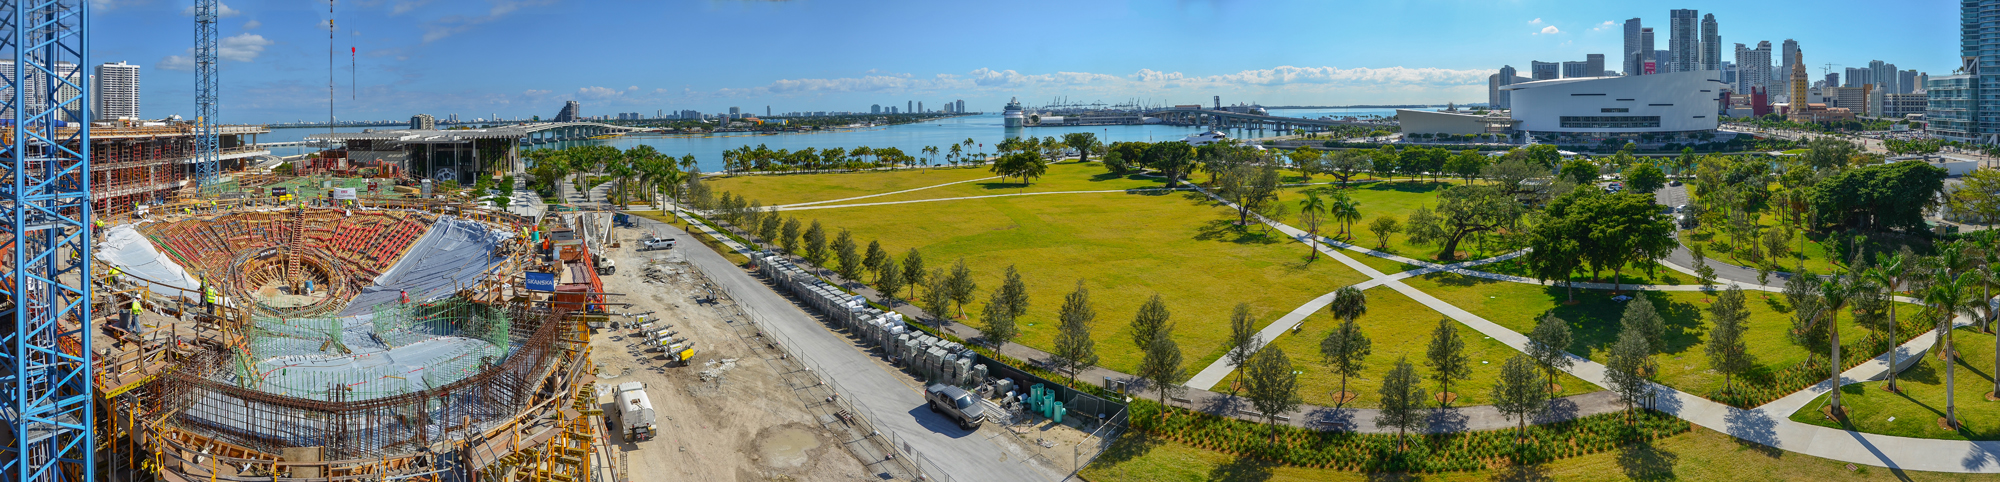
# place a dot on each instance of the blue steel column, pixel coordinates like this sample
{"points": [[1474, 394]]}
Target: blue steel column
{"points": [[45, 284], [207, 155]]}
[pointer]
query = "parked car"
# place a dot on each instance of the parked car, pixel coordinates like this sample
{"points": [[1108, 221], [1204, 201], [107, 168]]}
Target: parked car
{"points": [[957, 404], [655, 242]]}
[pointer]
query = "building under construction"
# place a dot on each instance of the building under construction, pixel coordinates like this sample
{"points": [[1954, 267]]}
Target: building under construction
{"points": [[134, 165], [250, 339]]}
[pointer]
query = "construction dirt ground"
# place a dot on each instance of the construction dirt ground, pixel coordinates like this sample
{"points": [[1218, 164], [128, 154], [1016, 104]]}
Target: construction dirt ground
{"points": [[731, 413]]}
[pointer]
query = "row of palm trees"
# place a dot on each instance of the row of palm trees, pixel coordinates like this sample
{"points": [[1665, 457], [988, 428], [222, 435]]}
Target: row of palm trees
{"points": [[764, 158], [1956, 280], [640, 168]]}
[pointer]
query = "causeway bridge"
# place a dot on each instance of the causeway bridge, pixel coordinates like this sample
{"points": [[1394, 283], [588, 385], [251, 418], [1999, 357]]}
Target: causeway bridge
{"points": [[1222, 119]]}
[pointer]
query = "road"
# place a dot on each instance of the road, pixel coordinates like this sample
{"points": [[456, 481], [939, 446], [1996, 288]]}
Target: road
{"points": [[891, 400]]}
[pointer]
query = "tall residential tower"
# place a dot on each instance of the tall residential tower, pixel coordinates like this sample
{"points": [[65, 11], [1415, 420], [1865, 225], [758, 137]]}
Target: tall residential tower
{"points": [[1711, 44], [1682, 44]]}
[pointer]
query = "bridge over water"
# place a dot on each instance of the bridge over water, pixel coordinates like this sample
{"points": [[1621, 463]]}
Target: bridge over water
{"points": [[1222, 119]]}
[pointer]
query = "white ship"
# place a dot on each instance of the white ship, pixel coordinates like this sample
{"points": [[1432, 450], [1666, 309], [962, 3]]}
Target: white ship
{"points": [[1013, 115], [1206, 138]]}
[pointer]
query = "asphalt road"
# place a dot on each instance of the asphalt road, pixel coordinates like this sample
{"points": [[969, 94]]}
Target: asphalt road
{"points": [[892, 401]]}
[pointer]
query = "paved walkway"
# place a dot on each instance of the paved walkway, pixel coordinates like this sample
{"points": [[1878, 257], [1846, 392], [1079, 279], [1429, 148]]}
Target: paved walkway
{"points": [[882, 194]]}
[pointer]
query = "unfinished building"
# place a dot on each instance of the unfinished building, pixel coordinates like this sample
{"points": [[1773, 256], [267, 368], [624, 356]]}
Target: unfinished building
{"points": [[388, 341], [152, 164]]}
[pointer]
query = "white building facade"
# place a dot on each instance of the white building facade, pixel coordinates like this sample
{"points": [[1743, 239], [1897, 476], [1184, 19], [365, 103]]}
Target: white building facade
{"points": [[1675, 102], [117, 92]]}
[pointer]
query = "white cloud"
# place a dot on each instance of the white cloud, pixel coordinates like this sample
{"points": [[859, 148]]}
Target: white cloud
{"points": [[176, 63], [1536, 21], [243, 47], [535, 93], [1550, 30], [1145, 80], [450, 25], [221, 10], [403, 7], [253, 23], [595, 92], [1604, 26]]}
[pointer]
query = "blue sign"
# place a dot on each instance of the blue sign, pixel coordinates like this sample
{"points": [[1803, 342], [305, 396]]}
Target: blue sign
{"points": [[541, 281]]}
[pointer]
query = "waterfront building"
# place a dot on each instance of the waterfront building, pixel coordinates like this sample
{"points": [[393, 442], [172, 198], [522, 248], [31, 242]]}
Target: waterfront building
{"points": [[1952, 107], [571, 112], [1633, 56], [1454, 123], [1540, 70], [1593, 65], [875, 109], [423, 121], [961, 106], [1683, 47], [117, 92], [1711, 44], [1669, 103]]}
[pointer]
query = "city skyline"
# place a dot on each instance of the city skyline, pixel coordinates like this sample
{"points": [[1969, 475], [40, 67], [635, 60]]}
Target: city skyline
{"points": [[414, 54]]}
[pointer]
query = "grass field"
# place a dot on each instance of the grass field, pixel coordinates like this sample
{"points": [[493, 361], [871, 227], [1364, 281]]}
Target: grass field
{"points": [[1397, 327], [1701, 454], [1067, 176], [1815, 257], [1594, 323], [1395, 199], [1633, 274], [775, 189], [1125, 247], [1917, 409]]}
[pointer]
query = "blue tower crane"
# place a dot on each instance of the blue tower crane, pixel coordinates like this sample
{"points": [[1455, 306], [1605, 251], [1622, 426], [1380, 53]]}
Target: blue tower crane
{"points": [[207, 162], [45, 242]]}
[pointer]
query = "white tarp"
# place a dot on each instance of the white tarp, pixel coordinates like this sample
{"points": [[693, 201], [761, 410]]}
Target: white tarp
{"points": [[129, 250], [452, 254]]}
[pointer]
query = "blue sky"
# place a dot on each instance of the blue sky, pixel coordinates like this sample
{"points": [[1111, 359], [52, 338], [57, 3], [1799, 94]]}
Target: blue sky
{"points": [[477, 58]]}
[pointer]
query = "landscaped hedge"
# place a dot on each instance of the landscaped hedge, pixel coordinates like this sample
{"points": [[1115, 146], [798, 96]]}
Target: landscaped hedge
{"points": [[1425, 453], [1758, 389]]}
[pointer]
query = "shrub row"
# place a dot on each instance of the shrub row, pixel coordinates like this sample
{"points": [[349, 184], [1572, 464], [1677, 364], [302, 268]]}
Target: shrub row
{"points": [[1424, 453]]}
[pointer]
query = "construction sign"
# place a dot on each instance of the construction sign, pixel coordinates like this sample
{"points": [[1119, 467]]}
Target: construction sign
{"points": [[541, 281], [343, 193]]}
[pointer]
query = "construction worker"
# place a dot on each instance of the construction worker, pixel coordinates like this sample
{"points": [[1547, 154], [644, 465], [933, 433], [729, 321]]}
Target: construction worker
{"points": [[406, 296], [126, 319], [209, 299], [113, 278]]}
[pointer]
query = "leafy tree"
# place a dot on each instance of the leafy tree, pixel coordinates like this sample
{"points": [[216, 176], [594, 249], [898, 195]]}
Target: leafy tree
{"points": [[874, 258], [1251, 187], [1467, 164], [891, 280], [816, 244], [1346, 164], [1626, 366], [1000, 327], [1625, 229], [1306, 159], [1880, 197], [1172, 159], [770, 228], [1727, 352], [1545, 155], [1161, 365], [1463, 210], [1151, 320], [1403, 400], [1519, 392], [1645, 178], [1642, 317], [1346, 347], [1559, 241], [1580, 170], [936, 298], [851, 265], [1074, 348], [962, 285], [1979, 196], [913, 272], [1015, 293], [1446, 358], [1383, 226], [1385, 161], [1272, 385], [1511, 171], [790, 235], [1243, 338], [1550, 346], [1083, 142]]}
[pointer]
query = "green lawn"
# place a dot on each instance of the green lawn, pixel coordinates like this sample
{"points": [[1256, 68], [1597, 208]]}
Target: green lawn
{"points": [[1594, 324], [1917, 409], [775, 189], [1701, 454], [1067, 176], [1633, 274], [1397, 327], [1125, 247], [1815, 256]]}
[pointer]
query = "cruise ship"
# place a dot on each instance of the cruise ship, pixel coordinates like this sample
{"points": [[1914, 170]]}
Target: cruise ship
{"points": [[1013, 114], [1206, 138]]}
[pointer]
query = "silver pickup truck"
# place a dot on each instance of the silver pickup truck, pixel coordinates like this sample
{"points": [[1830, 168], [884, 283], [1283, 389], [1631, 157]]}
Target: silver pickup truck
{"points": [[957, 404]]}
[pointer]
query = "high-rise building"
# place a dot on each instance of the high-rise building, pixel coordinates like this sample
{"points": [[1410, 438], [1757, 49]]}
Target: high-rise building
{"points": [[423, 121], [1923, 82], [1633, 56], [1664, 60], [1789, 54], [961, 106], [1729, 74], [1906, 82], [1953, 104], [1646, 52], [1593, 65], [920, 107], [1573, 69], [1544, 70], [1753, 66], [571, 112], [875, 109], [1711, 44], [1832, 78], [735, 113], [909, 106], [1683, 45], [1799, 103], [117, 91], [1885, 75]]}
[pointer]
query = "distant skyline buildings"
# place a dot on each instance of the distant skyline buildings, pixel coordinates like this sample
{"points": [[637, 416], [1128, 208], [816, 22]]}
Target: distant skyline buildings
{"points": [[1711, 43], [1633, 57], [1683, 47]]}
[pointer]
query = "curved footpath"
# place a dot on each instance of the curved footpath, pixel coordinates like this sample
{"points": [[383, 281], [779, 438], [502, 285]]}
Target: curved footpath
{"points": [[1767, 425]]}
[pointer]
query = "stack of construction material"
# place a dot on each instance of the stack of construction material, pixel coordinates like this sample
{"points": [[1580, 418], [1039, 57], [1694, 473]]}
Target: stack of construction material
{"points": [[933, 359]]}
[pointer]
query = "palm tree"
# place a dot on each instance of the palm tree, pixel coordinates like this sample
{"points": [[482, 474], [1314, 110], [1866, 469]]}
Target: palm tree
{"points": [[952, 156], [1346, 211], [1889, 274], [1312, 205], [930, 154], [1834, 294], [1949, 296]]}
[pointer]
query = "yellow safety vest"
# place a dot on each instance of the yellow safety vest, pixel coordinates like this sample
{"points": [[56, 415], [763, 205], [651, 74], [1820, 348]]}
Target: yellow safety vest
{"points": [[135, 307], [114, 271], [211, 296]]}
